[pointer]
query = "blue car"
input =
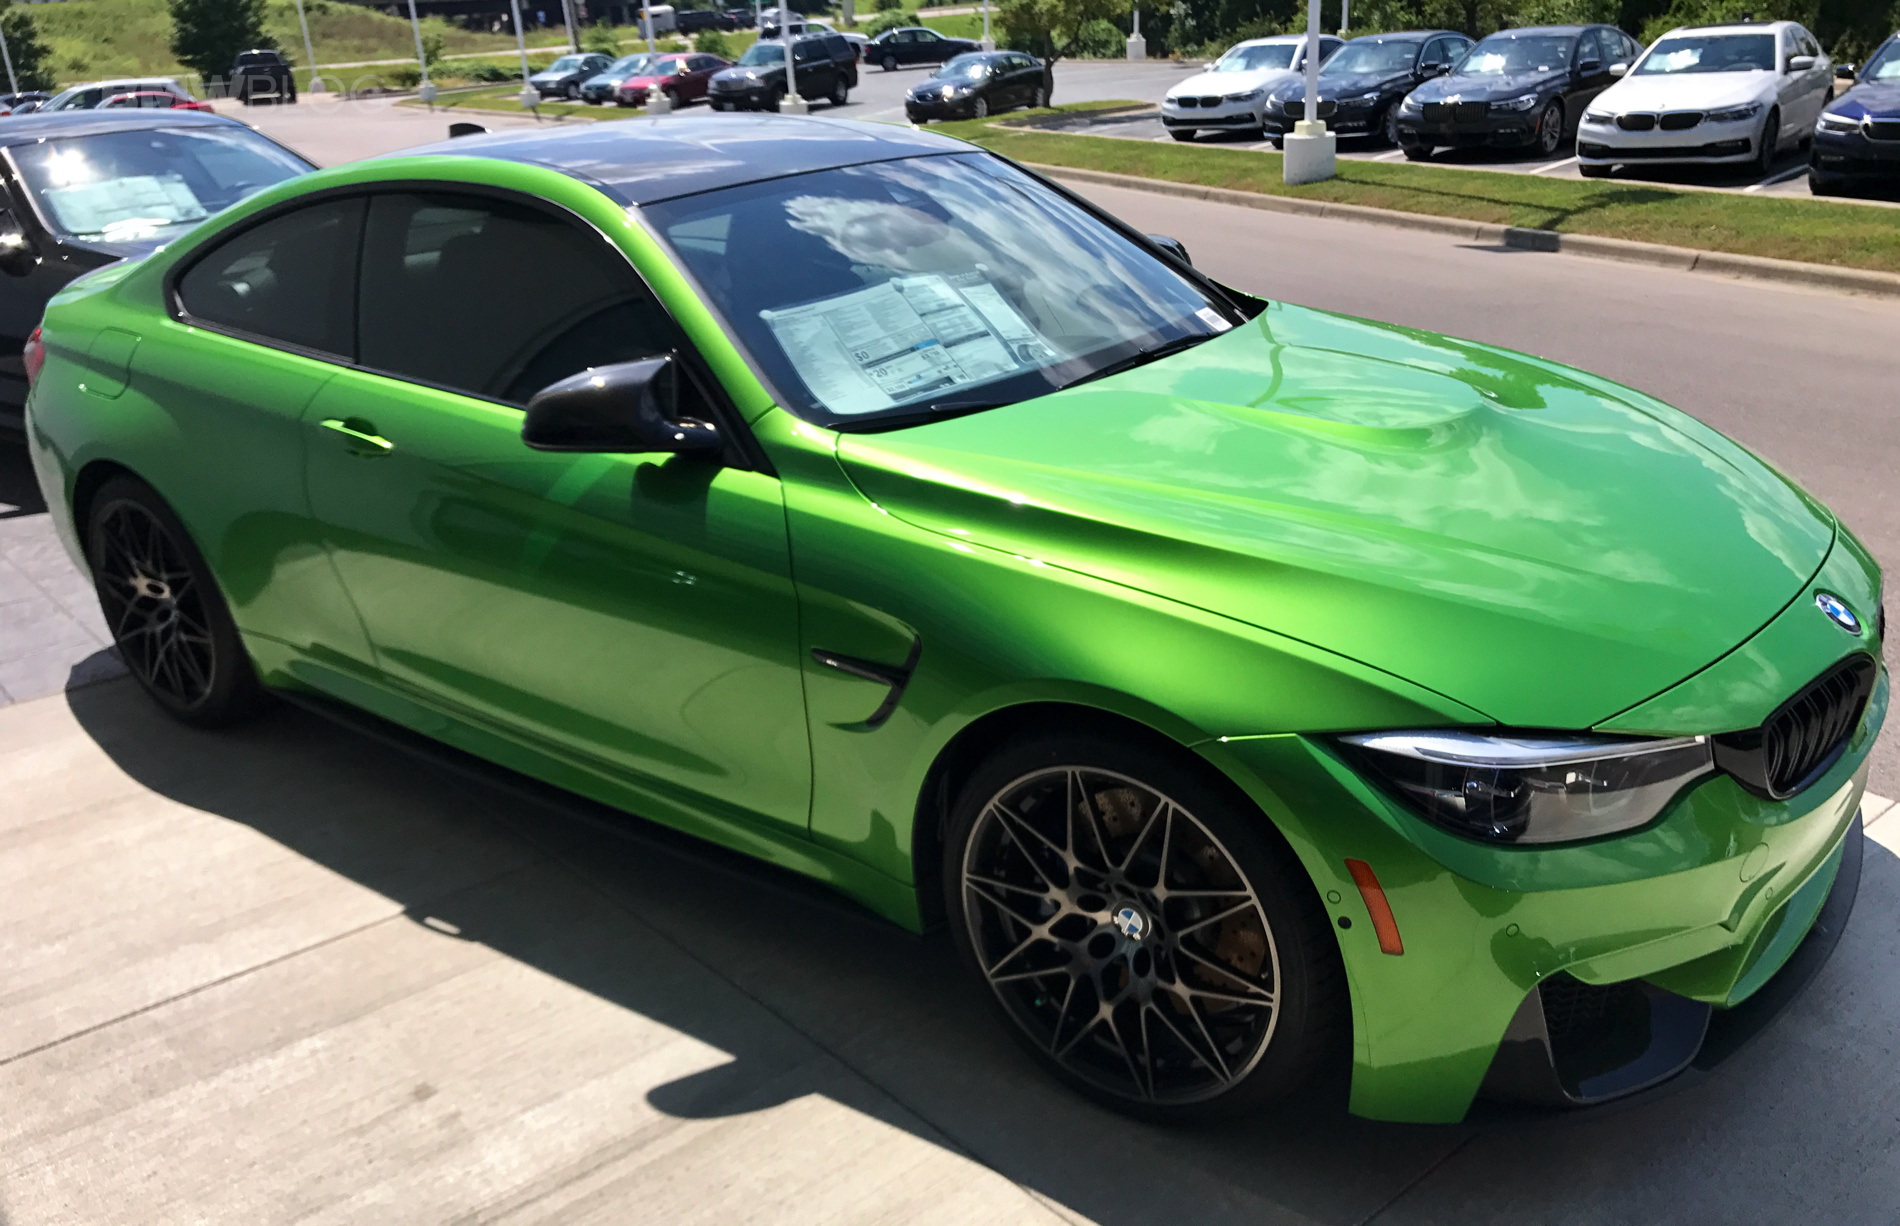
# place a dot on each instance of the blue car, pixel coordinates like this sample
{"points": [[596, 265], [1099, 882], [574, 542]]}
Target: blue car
{"points": [[1857, 141]]}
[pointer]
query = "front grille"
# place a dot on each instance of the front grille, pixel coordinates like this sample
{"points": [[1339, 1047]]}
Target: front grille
{"points": [[1213, 100], [1326, 109], [1882, 129], [1805, 736], [1438, 112], [1469, 112], [1190, 103], [1680, 121], [1636, 121]]}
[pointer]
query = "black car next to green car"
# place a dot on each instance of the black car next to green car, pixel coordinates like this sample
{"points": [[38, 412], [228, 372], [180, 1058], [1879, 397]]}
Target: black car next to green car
{"points": [[978, 84], [905, 45], [1517, 88], [1361, 86], [827, 70]]}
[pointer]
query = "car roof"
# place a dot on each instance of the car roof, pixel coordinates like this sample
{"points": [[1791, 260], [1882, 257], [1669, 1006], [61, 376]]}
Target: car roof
{"points": [[1516, 30], [642, 161], [1275, 39], [1408, 35], [1736, 27], [26, 129]]}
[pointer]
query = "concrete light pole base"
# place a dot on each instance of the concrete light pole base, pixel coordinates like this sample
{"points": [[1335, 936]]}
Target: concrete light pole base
{"points": [[1310, 153], [794, 105], [988, 44], [660, 103], [1137, 47]]}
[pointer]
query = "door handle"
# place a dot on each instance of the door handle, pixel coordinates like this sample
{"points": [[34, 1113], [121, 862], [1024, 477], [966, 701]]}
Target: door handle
{"points": [[363, 439]]}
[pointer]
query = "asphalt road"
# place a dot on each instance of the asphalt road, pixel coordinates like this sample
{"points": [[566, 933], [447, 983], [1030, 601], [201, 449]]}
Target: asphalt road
{"points": [[1789, 177]]}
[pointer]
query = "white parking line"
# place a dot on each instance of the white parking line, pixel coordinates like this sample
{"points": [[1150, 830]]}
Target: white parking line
{"points": [[1783, 177], [1555, 165]]}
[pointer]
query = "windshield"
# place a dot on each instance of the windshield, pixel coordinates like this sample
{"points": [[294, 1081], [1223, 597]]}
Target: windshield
{"points": [[934, 284], [965, 68], [628, 65], [1710, 53], [567, 63], [763, 53], [1371, 59], [1253, 59], [1885, 66], [1504, 55], [144, 184]]}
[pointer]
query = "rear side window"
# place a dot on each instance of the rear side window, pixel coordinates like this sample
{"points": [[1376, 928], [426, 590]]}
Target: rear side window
{"points": [[287, 280], [494, 298]]}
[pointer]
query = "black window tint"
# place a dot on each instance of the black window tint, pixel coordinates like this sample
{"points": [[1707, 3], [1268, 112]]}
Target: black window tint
{"points": [[286, 280], [495, 298]]}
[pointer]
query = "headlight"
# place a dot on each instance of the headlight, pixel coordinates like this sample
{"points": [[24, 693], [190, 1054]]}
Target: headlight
{"points": [[1534, 788], [1734, 114], [1276, 106], [1831, 122], [1410, 106], [1249, 96], [1516, 104], [1603, 118]]}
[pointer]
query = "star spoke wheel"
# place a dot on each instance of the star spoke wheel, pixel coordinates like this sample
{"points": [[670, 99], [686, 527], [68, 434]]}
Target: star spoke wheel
{"points": [[1120, 935]]}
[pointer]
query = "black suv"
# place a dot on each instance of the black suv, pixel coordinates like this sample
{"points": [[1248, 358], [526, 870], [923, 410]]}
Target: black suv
{"points": [[827, 69], [261, 75]]}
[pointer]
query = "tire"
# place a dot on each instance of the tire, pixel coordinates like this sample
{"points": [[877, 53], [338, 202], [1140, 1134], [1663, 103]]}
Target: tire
{"points": [[1040, 98], [889, 63], [1593, 172], [1770, 143], [1268, 982], [1389, 127], [840, 93], [1415, 152], [1550, 128], [980, 109], [1182, 134], [1279, 142], [773, 99], [717, 106], [1824, 184], [167, 617]]}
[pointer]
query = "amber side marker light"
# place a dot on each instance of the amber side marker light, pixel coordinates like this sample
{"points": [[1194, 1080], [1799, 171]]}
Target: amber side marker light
{"points": [[1377, 907]]}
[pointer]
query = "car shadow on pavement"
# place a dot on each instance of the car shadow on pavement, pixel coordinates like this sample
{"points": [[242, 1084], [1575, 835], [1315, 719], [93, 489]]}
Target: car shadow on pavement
{"points": [[19, 490], [614, 905]]}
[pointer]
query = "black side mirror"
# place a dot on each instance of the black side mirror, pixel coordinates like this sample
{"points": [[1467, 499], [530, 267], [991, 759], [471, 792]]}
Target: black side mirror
{"points": [[18, 255], [628, 407], [465, 129], [1431, 68], [1586, 67], [1173, 246], [1845, 72]]}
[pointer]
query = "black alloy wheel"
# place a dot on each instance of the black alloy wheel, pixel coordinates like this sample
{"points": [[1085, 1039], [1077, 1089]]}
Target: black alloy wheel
{"points": [[980, 108], [167, 617], [1141, 932], [1770, 143], [1389, 126], [1182, 133], [840, 92], [1550, 128]]}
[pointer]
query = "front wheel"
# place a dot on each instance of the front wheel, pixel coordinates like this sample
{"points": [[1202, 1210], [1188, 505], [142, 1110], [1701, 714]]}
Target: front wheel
{"points": [[1183, 134], [571, 92], [1550, 128], [1415, 152], [1140, 927], [1823, 184], [980, 109], [167, 617], [1770, 143], [1389, 126], [773, 99]]}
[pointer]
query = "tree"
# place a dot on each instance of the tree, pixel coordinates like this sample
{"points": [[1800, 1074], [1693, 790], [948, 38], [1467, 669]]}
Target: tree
{"points": [[208, 34], [1052, 28], [28, 53]]}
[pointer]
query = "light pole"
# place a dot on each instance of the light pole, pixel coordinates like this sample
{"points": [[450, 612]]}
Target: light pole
{"points": [[657, 101], [1311, 149], [530, 96], [427, 92], [1137, 45], [988, 43], [1345, 16], [573, 31], [646, 27], [310, 54], [13, 82], [793, 104]]}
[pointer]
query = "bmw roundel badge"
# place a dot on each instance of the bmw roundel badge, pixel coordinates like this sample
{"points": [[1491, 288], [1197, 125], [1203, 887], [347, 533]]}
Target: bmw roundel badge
{"points": [[1132, 923], [1837, 612]]}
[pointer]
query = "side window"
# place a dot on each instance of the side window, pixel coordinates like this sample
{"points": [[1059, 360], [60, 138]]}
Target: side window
{"points": [[1437, 51], [1804, 41], [434, 265], [287, 280], [1590, 47]]}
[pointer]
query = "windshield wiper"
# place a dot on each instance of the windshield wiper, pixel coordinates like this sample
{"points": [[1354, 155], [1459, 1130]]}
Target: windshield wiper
{"points": [[939, 411], [1141, 357]]}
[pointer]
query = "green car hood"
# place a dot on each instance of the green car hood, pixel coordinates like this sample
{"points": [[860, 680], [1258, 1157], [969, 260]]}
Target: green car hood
{"points": [[1540, 545]]}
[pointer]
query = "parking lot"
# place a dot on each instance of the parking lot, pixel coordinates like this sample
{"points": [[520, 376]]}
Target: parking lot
{"points": [[293, 973]]}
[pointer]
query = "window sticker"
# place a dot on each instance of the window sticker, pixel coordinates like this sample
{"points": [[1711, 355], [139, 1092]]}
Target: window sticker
{"points": [[121, 207], [903, 339]]}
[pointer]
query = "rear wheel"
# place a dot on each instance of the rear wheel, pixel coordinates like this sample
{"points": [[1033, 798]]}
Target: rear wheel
{"points": [[890, 63], [167, 617], [1141, 929], [1550, 128], [840, 92]]}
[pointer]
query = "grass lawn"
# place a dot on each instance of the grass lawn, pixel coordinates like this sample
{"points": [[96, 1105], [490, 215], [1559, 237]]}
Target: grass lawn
{"points": [[1853, 236]]}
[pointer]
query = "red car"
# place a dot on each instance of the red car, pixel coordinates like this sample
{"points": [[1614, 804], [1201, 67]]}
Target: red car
{"points": [[681, 76], [151, 98]]}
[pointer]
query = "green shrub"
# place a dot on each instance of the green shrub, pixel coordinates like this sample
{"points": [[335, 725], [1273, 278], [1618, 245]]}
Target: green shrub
{"points": [[713, 42], [489, 73], [1100, 40], [402, 78], [887, 20], [601, 37]]}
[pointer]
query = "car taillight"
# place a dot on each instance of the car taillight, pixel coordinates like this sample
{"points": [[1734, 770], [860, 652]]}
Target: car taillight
{"points": [[34, 357]]}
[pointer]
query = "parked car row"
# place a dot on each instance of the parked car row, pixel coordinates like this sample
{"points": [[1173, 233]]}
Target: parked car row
{"points": [[1725, 95]]}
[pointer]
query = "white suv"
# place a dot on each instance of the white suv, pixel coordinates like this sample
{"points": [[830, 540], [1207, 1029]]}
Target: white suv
{"points": [[1734, 94], [1231, 95]]}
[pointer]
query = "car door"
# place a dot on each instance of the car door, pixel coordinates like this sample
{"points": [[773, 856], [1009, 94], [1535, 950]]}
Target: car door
{"points": [[266, 307], [925, 47], [1590, 76], [1791, 87], [1819, 79], [633, 614]]}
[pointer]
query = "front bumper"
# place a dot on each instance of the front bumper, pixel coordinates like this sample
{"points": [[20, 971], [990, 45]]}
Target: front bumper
{"points": [[917, 110], [1705, 143], [1503, 130], [1669, 929], [753, 98], [1853, 155], [1346, 121], [1222, 114]]}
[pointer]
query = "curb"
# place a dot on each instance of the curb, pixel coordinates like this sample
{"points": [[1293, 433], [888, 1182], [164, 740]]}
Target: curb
{"points": [[1658, 255]]}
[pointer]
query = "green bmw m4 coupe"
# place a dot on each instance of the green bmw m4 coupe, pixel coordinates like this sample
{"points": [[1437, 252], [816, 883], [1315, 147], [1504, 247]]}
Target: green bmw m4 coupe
{"points": [[1250, 691]]}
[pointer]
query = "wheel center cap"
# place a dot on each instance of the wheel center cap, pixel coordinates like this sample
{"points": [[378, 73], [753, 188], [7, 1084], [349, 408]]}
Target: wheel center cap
{"points": [[1130, 922], [151, 589]]}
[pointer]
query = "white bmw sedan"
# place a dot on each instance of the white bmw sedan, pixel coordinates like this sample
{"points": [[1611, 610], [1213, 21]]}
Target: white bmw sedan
{"points": [[1731, 95], [1231, 95]]}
